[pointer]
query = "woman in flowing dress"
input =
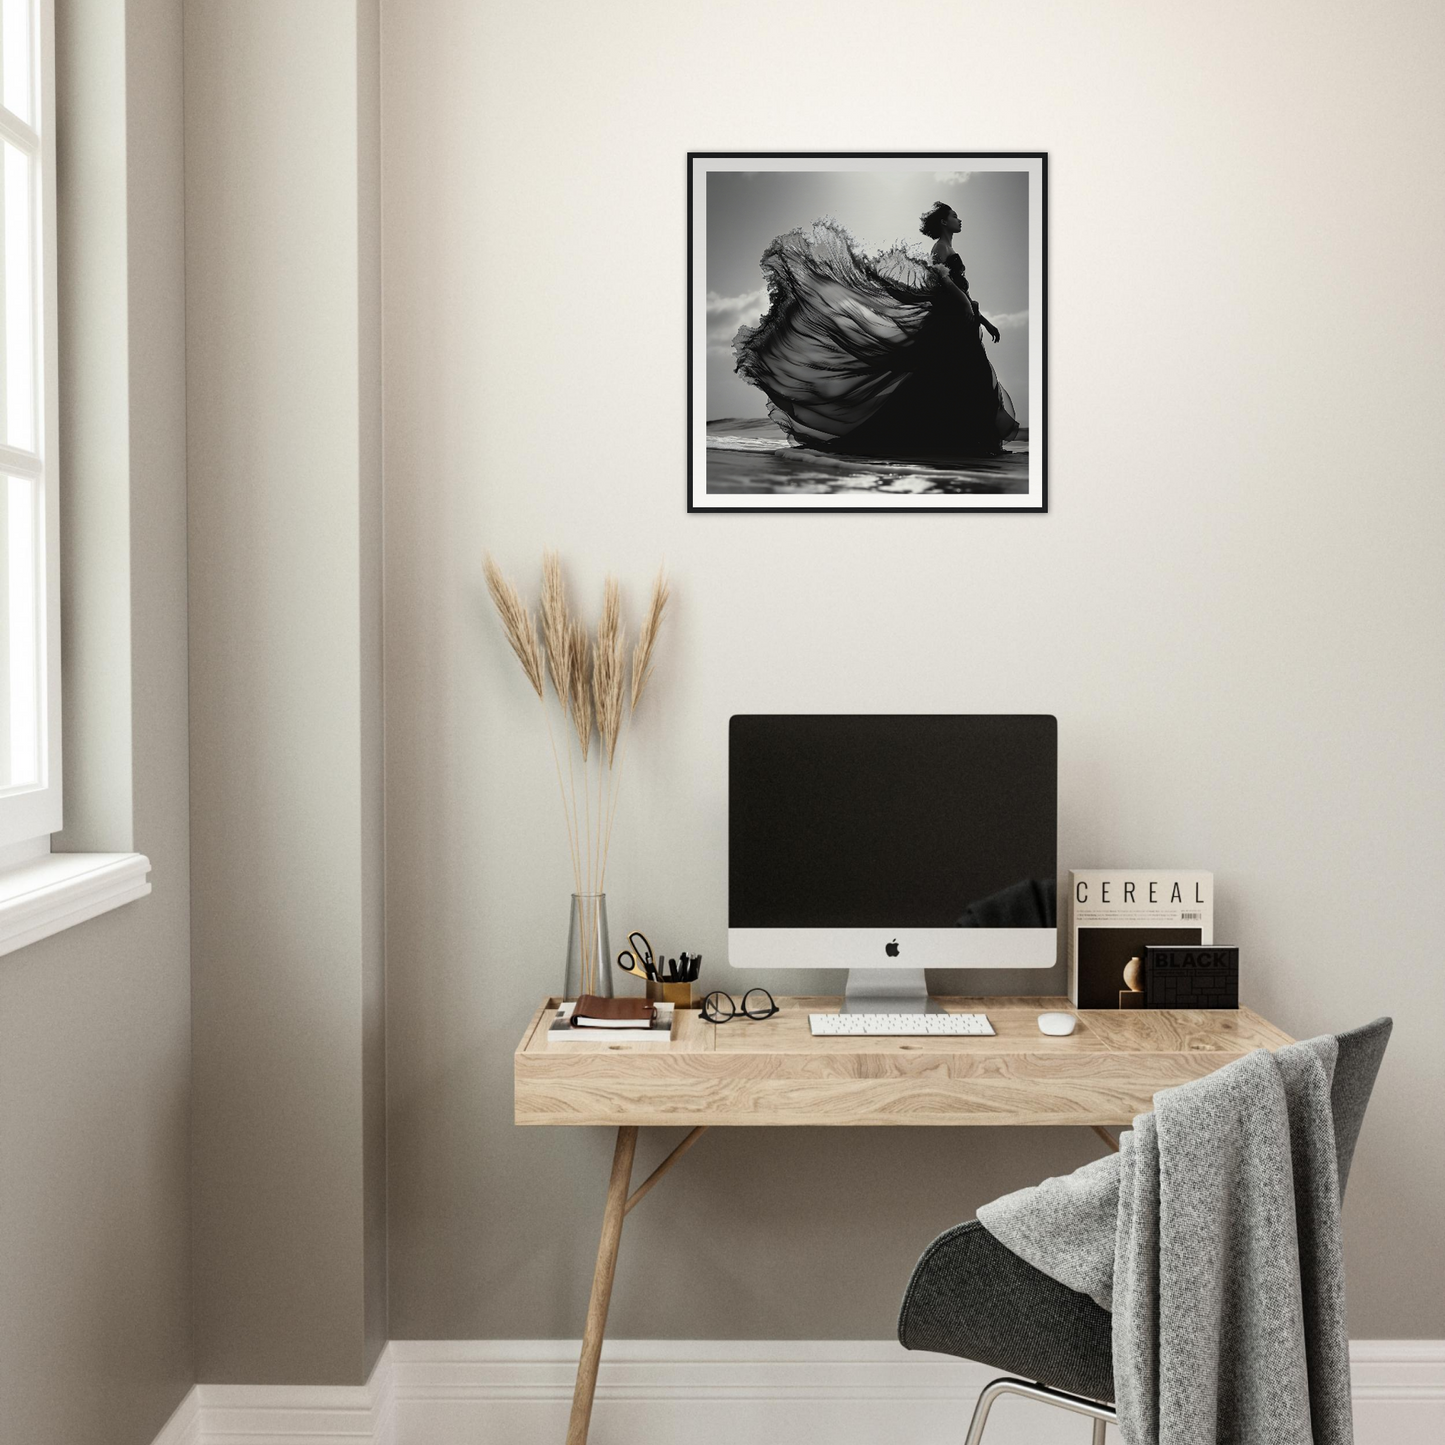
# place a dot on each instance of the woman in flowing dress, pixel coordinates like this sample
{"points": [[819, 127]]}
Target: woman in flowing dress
{"points": [[876, 356]]}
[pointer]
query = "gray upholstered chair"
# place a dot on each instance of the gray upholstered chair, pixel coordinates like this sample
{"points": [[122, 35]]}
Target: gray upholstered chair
{"points": [[972, 1297]]}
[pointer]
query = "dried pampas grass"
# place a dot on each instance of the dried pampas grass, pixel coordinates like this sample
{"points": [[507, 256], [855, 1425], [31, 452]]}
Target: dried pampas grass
{"points": [[589, 682], [647, 637], [579, 685], [555, 633], [516, 623], [609, 670]]}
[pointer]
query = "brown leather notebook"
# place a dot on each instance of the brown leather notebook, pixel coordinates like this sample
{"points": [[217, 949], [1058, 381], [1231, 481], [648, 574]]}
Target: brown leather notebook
{"points": [[593, 1012]]}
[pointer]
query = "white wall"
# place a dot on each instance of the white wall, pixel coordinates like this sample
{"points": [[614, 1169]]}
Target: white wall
{"points": [[1234, 606]]}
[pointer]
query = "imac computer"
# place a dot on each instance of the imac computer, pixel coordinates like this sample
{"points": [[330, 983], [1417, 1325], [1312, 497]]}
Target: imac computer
{"points": [[890, 844]]}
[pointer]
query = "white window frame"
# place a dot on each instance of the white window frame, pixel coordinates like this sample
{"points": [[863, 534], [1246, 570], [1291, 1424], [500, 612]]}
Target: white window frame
{"points": [[42, 892], [29, 815]]}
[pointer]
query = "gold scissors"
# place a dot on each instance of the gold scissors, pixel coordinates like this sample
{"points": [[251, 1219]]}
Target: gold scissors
{"points": [[638, 957]]}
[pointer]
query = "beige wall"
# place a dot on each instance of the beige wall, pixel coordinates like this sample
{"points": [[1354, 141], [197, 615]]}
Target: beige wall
{"points": [[95, 1345], [369, 638], [1234, 606], [282, 318]]}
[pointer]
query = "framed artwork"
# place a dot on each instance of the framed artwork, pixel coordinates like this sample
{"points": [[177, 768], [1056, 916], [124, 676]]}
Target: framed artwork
{"points": [[867, 332]]}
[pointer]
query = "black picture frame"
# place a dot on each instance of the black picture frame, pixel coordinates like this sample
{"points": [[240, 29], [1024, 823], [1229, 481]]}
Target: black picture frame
{"points": [[1033, 501]]}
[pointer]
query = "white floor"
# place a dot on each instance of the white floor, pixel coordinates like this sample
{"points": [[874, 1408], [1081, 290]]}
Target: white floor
{"points": [[714, 1392]]}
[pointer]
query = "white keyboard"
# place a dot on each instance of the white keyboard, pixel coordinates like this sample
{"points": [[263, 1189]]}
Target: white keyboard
{"points": [[912, 1026]]}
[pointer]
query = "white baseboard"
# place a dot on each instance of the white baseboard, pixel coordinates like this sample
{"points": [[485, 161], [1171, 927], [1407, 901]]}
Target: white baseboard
{"points": [[714, 1392], [288, 1414], [184, 1427]]}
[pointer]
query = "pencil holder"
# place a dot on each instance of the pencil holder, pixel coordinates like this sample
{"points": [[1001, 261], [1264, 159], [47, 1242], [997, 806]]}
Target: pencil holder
{"points": [[679, 994]]}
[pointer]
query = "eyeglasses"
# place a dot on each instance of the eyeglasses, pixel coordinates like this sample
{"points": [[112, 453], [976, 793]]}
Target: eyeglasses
{"points": [[719, 1008]]}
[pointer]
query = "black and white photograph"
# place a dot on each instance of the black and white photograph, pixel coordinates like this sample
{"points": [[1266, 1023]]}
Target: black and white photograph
{"points": [[867, 332]]}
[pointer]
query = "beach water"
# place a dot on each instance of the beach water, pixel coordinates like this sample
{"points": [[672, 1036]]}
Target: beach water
{"points": [[752, 454]]}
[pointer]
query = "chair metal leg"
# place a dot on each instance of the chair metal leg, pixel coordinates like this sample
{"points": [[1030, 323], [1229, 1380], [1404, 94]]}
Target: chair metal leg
{"points": [[980, 1411], [1100, 1414]]}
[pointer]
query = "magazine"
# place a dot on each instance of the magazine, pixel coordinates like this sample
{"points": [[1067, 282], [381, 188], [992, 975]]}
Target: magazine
{"points": [[1115, 912]]}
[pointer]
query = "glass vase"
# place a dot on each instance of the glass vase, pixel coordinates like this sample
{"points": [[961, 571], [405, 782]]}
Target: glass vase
{"points": [[589, 952]]}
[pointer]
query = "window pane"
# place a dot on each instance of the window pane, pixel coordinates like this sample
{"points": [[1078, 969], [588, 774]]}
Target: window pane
{"points": [[16, 41], [20, 635], [19, 354]]}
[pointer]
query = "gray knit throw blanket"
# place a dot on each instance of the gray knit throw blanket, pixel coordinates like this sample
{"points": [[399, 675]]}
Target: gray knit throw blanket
{"points": [[1214, 1237]]}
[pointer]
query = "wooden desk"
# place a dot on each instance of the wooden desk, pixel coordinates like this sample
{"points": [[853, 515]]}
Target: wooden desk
{"points": [[758, 1073]]}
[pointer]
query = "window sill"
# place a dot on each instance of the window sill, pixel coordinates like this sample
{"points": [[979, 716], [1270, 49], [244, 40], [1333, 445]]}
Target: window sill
{"points": [[60, 890]]}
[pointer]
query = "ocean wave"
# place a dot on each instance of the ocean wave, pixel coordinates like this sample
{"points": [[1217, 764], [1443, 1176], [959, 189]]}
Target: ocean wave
{"points": [[748, 444]]}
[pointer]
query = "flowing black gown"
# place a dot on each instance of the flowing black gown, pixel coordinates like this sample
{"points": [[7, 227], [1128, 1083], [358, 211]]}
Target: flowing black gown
{"points": [[871, 356]]}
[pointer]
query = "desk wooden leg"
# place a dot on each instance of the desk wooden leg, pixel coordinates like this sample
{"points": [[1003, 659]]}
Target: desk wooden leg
{"points": [[640, 1193], [612, 1217]]}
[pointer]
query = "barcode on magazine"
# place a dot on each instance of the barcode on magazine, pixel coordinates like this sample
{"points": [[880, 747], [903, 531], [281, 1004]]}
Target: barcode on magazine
{"points": [[1196, 916]]}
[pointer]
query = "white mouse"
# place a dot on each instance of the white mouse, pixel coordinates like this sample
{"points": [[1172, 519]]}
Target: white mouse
{"points": [[1057, 1023]]}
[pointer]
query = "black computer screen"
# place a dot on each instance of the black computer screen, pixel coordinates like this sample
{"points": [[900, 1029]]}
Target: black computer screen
{"points": [[916, 821]]}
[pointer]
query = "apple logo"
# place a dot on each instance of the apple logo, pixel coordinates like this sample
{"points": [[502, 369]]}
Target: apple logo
{"points": [[891, 949]]}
